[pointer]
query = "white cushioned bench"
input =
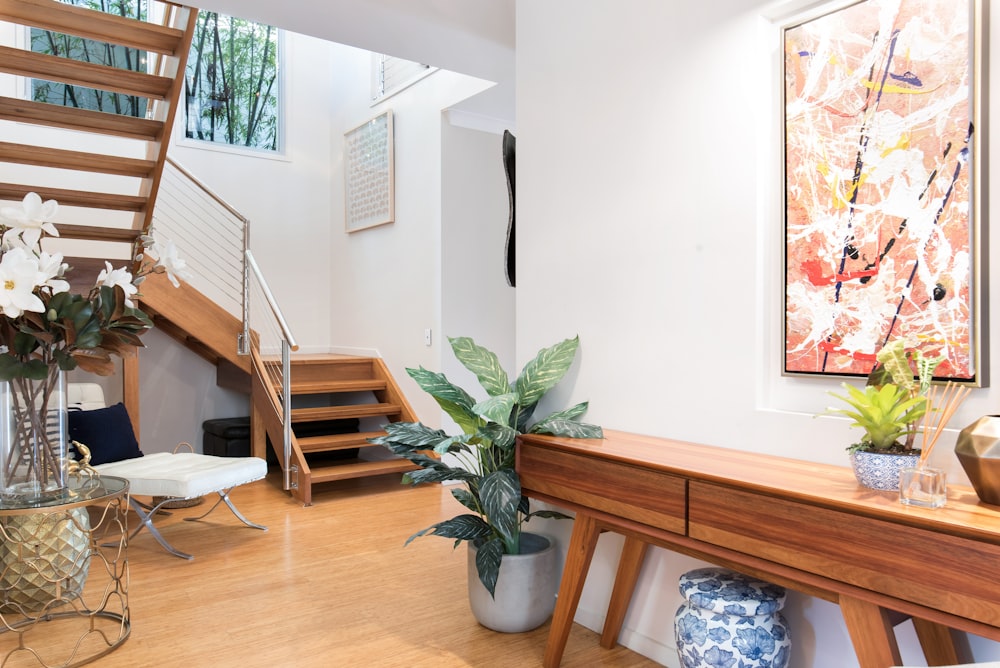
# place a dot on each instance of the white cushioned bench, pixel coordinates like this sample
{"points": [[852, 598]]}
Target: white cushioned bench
{"points": [[183, 475], [171, 477]]}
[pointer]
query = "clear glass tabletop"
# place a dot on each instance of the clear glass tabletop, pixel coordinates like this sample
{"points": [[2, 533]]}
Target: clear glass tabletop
{"points": [[83, 490]]}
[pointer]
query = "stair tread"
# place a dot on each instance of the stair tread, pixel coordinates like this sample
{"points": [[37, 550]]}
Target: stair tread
{"points": [[84, 120], [78, 160], [334, 386], [80, 73], [342, 412], [331, 442], [84, 198], [100, 26], [356, 468]]}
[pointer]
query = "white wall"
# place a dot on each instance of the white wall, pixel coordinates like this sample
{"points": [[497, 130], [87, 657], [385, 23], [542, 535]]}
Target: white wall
{"points": [[650, 224], [385, 282], [476, 300]]}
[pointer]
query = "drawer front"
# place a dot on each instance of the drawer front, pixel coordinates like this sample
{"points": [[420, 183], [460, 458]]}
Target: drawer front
{"points": [[650, 497], [948, 573]]}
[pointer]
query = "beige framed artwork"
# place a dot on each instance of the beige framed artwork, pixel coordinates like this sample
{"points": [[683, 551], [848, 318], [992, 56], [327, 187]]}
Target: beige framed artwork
{"points": [[368, 174]]}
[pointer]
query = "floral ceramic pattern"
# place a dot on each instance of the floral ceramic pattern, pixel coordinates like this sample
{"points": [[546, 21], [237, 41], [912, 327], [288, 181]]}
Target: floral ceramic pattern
{"points": [[879, 470], [729, 620]]}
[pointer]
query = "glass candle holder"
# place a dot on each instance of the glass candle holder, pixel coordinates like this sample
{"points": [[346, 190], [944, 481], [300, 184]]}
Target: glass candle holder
{"points": [[923, 486]]}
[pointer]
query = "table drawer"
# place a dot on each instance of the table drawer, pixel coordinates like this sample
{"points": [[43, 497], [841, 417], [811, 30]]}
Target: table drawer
{"points": [[640, 494], [929, 568]]}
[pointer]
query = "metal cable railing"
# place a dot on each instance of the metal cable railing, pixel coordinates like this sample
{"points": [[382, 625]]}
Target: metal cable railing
{"points": [[213, 238]]}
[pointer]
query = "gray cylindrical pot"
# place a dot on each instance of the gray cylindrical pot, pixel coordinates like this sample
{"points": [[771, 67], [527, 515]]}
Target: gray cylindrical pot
{"points": [[526, 587]]}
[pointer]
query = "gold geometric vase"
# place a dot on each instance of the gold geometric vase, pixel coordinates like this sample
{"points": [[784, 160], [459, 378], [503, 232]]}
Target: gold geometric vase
{"points": [[44, 560]]}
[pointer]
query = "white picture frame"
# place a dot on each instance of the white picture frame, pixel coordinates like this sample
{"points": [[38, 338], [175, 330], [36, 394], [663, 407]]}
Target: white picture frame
{"points": [[368, 174]]}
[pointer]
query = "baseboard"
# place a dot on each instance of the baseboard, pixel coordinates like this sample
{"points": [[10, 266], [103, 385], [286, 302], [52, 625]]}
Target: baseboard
{"points": [[648, 647]]}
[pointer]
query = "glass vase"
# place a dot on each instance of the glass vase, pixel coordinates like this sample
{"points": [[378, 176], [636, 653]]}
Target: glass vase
{"points": [[33, 438]]}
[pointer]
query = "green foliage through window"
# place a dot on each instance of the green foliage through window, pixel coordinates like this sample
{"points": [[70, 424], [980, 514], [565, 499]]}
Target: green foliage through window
{"points": [[231, 82], [88, 50]]}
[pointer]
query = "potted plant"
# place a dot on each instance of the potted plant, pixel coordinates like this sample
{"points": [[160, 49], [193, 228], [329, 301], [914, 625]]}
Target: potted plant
{"points": [[889, 411], [484, 463]]}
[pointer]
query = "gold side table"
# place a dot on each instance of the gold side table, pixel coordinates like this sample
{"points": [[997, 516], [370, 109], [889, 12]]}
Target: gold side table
{"points": [[64, 575]]}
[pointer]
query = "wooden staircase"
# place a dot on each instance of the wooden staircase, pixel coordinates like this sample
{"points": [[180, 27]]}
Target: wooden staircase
{"points": [[333, 393], [132, 152], [131, 147]]}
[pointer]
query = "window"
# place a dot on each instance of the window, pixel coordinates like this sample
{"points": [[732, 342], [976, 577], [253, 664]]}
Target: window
{"points": [[232, 84], [391, 75], [88, 50]]}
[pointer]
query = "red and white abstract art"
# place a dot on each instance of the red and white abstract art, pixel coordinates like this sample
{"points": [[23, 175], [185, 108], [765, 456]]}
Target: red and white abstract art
{"points": [[879, 206]]}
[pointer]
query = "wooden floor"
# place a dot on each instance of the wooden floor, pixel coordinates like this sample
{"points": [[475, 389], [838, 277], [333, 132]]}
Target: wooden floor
{"points": [[327, 586]]}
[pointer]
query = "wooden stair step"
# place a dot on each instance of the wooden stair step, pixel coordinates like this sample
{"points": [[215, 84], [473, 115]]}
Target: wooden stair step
{"points": [[80, 73], [84, 198], [112, 234], [78, 160], [331, 442], [356, 468], [82, 120], [343, 412], [336, 386], [100, 26]]}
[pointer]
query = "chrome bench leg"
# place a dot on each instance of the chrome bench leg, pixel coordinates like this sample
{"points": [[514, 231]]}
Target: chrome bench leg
{"points": [[146, 520], [224, 496]]}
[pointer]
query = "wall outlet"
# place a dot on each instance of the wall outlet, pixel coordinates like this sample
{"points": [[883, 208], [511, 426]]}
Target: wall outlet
{"points": [[427, 337]]}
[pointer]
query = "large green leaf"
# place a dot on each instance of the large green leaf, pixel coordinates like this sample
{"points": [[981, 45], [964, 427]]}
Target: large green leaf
{"points": [[496, 409], [462, 527], [483, 363], [467, 499], [542, 373], [569, 428], [415, 435], [439, 387], [488, 557], [500, 493]]}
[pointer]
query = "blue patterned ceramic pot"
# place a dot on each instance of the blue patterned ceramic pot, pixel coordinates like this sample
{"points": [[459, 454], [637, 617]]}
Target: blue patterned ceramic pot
{"points": [[729, 620], [880, 470]]}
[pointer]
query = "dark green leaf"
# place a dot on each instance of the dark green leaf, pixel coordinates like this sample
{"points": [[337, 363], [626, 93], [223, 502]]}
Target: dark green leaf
{"points": [[488, 557], [496, 409], [462, 527], [483, 363], [467, 499], [543, 372], [500, 493], [567, 428]]}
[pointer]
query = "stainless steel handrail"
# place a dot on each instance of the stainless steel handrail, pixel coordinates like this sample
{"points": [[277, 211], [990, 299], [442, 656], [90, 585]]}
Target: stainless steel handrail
{"points": [[271, 301]]}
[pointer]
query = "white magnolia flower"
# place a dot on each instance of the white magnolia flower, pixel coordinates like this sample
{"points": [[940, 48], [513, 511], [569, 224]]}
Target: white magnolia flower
{"points": [[19, 276], [121, 277], [165, 255], [52, 269], [29, 220]]}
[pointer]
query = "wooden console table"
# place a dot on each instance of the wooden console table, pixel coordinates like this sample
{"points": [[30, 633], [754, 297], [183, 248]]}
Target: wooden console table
{"points": [[806, 526]]}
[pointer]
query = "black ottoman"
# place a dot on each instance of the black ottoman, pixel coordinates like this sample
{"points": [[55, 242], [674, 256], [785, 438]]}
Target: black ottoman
{"points": [[226, 437]]}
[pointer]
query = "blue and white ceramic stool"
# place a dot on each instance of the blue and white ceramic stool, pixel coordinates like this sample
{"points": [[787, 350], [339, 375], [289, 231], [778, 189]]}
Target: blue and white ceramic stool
{"points": [[729, 620]]}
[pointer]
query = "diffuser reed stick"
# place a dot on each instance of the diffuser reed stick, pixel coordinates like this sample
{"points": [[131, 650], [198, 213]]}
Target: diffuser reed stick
{"points": [[937, 416]]}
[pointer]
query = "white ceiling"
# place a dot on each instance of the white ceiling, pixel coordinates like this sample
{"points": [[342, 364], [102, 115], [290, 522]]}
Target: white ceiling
{"points": [[474, 37]]}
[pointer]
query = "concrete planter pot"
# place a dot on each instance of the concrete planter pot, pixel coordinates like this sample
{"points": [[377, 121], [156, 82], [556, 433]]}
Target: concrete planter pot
{"points": [[526, 587]]}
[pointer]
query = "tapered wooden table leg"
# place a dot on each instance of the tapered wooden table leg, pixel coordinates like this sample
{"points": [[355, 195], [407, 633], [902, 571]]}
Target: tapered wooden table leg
{"points": [[871, 633], [581, 551], [938, 643], [629, 565]]}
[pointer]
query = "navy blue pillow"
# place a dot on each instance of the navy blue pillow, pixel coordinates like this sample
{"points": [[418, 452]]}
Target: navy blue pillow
{"points": [[107, 432]]}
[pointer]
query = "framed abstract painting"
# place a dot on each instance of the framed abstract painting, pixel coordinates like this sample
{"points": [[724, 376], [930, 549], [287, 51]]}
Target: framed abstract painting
{"points": [[883, 203]]}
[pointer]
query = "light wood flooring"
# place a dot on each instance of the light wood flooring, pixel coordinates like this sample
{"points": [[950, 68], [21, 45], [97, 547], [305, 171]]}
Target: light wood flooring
{"points": [[327, 586]]}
